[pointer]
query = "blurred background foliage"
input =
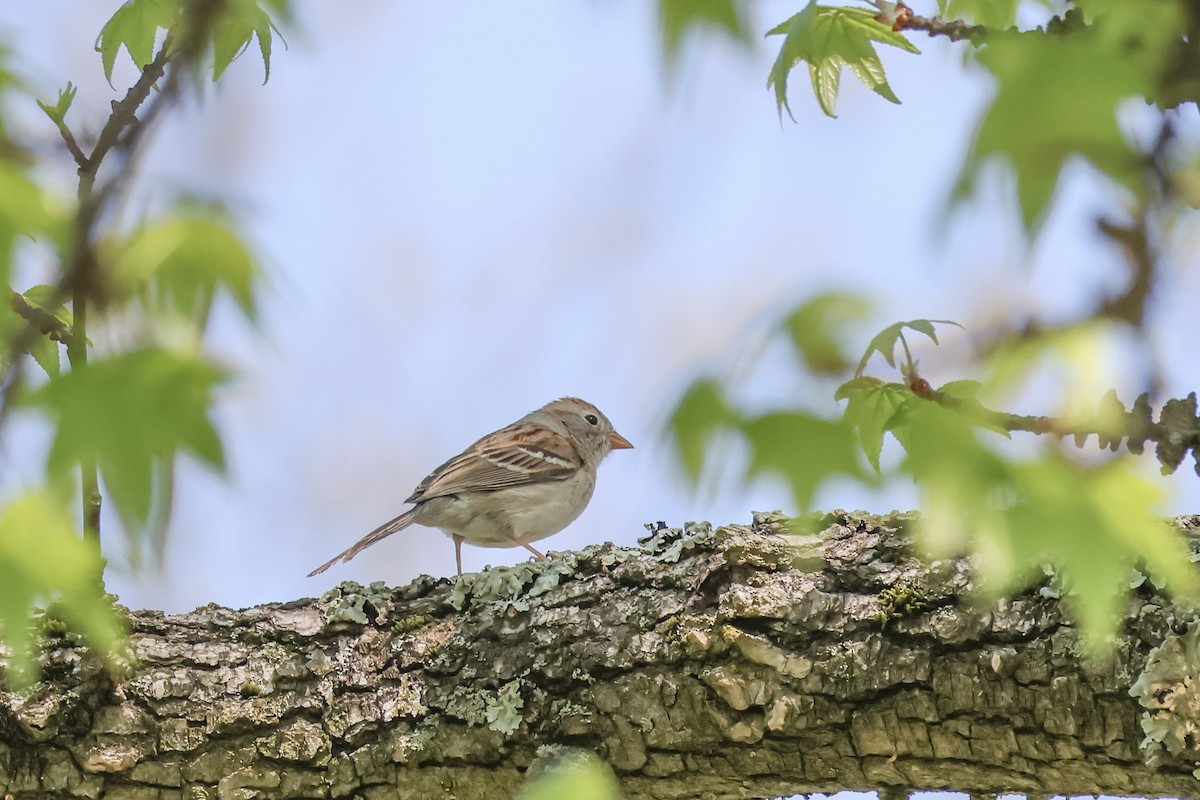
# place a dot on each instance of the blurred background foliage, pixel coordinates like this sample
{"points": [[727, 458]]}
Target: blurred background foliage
{"points": [[122, 414], [1097, 82], [1074, 86]]}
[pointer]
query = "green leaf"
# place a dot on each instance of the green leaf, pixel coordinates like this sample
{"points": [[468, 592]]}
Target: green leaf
{"points": [[46, 353], [1096, 524], [42, 309], [961, 390], [701, 412], [129, 413], [871, 406], [1072, 86], [26, 213], [1092, 523], [966, 393], [678, 18], [135, 27], [828, 38], [44, 558], [58, 111], [137, 24], [1079, 356], [576, 775], [815, 329], [802, 449], [182, 262], [241, 21], [885, 341]]}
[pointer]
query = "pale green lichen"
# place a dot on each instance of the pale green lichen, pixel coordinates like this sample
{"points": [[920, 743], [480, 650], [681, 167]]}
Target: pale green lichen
{"points": [[350, 602], [512, 587], [669, 544], [503, 710], [466, 704], [1169, 689]]}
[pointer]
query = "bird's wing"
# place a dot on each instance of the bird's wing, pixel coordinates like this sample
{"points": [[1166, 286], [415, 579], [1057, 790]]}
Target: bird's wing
{"points": [[518, 455]]}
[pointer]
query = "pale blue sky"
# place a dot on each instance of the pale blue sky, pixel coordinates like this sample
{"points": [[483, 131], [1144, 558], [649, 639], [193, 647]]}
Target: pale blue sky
{"points": [[469, 209]]}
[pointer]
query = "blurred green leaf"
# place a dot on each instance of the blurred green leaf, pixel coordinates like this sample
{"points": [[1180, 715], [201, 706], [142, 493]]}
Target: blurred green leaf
{"points": [[815, 329], [1092, 523], [871, 405], [966, 393], [885, 341], [574, 777], [26, 214], [678, 18], [803, 449], [129, 412], [43, 558], [962, 390], [135, 26], [180, 263], [1080, 357], [241, 21], [1072, 86], [701, 412], [828, 38]]}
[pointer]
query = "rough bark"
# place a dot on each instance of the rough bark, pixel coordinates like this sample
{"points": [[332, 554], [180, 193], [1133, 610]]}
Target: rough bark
{"points": [[734, 663]]}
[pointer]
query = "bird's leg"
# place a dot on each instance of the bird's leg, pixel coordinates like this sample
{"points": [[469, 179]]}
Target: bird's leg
{"points": [[458, 540], [537, 553]]}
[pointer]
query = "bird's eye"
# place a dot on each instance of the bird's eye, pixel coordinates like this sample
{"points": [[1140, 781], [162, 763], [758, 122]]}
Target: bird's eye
{"points": [[591, 419]]}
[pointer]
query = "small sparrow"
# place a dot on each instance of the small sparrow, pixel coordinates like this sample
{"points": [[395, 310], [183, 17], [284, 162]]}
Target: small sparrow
{"points": [[524, 482]]}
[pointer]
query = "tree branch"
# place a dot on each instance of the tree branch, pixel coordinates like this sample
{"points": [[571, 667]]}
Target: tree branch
{"points": [[725, 664]]}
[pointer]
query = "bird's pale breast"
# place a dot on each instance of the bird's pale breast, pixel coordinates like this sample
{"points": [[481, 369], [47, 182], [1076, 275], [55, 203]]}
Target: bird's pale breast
{"points": [[529, 513]]}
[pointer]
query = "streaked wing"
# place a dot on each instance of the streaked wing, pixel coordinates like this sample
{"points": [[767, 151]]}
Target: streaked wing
{"points": [[518, 455]]}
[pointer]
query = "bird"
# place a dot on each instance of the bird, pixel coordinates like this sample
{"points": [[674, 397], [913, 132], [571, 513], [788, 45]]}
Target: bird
{"points": [[519, 484]]}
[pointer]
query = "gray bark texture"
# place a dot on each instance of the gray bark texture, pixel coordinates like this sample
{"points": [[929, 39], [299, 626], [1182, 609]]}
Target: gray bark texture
{"points": [[740, 662]]}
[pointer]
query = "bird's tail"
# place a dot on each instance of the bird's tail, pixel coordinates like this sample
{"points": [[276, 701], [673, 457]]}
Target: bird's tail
{"points": [[382, 532]]}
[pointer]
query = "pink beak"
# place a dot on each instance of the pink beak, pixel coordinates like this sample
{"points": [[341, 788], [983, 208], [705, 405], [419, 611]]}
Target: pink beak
{"points": [[618, 442]]}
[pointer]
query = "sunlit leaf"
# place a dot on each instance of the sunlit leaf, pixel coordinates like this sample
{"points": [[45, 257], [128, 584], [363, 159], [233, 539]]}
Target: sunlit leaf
{"points": [[44, 559], [58, 111], [962, 390], [1081, 359], [1093, 523], [828, 38], [26, 214], [129, 412], [678, 18], [701, 412], [180, 263], [1072, 86], [886, 340], [871, 404], [135, 26], [804, 450], [816, 329], [239, 23]]}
